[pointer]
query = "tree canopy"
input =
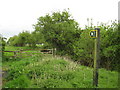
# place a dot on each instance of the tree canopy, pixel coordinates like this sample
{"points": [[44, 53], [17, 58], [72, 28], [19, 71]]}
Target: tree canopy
{"points": [[59, 30]]}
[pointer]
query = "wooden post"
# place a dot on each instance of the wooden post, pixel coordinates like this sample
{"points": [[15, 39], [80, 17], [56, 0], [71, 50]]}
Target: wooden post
{"points": [[96, 58], [53, 52], [14, 54], [21, 53]]}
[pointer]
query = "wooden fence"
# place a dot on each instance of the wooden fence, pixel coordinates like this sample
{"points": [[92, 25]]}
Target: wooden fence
{"points": [[30, 52]]}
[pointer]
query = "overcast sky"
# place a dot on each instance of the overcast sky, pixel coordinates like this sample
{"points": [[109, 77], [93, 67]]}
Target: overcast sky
{"points": [[19, 15]]}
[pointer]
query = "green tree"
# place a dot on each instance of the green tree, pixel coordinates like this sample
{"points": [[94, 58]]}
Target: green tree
{"points": [[59, 30], [84, 48], [110, 45], [13, 41], [2, 46], [24, 38], [2, 43], [21, 39]]}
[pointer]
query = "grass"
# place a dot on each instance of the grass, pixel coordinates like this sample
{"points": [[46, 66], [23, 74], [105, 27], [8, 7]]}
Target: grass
{"points": [[12, 48], [45, 71]]}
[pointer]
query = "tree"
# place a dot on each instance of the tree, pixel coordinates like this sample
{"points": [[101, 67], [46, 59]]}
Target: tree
{"points": [[83, 48], [21, 39], [13, 40], [59, 30], [110, 45], [2, 45]]}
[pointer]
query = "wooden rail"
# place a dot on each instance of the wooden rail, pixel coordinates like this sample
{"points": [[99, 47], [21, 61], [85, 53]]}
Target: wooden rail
{"points": [[9, 51], [44, 51]]}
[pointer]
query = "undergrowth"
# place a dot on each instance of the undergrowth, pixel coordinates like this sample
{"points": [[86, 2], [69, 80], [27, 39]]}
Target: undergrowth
{"points": [[45, 71]]}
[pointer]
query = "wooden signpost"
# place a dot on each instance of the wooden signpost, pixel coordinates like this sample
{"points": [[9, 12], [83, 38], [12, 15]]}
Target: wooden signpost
{"points": [[96, 35]]}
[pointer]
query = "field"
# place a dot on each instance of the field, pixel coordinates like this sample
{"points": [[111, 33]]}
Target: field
{"points": [[46, 71]]}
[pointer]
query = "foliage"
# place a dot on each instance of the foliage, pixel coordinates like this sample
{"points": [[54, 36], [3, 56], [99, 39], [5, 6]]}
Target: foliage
{"points": [[19, 82], [83, 49], [2, 43], [2, 47], [62, 32], [23, 39], [51, 72], [110, 45], [19, 40], [12, 40], [59, 30]]}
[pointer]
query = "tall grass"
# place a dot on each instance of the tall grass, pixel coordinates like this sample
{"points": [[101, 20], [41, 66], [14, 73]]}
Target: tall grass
{"points": [[45, 71]]}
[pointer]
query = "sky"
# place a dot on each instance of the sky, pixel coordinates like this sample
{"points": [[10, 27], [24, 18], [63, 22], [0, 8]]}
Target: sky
{"points": [[19, 15]]}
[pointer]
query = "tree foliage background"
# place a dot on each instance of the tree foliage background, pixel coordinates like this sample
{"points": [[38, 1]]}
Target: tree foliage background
{"points": [[59, 30]]}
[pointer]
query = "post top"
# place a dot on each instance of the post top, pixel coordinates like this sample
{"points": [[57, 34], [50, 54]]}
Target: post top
{"points": [[97, 28]]}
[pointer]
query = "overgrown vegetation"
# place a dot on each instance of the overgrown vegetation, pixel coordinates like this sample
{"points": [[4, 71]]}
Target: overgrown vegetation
{"points": [[48, 72], [2, 43], [59, 30]]}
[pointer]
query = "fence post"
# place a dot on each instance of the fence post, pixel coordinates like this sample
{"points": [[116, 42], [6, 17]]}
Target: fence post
{"points": [[21, 52], [14, 54], [55, 52]]}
